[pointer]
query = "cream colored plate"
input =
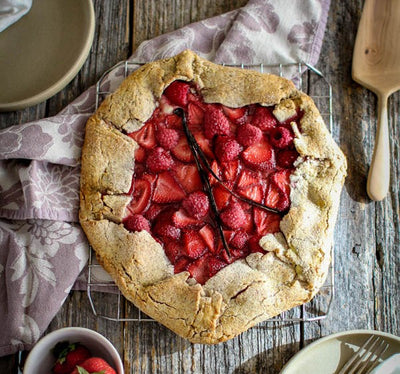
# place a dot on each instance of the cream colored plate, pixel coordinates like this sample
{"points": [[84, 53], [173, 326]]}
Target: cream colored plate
{"points": [[327, 355], [43, 51]]}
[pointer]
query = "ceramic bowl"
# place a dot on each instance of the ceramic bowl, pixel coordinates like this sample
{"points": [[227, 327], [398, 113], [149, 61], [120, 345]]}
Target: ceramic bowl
{"points": [[40, 359]]}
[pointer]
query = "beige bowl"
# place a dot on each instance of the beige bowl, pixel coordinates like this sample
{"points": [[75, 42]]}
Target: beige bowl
{"points": [[40, 359], [43, 51]]}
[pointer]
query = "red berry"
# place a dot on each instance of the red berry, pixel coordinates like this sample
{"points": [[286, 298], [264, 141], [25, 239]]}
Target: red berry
{"points": [[248, 134], [137, 223], [194, 245], [177, 93], [196, 204], [233, 216], [68, 356], [182, 151], [263, 118], [141, 196], [214, 266], [167, 230], [260, 156], [207, 234], [227, 149], [195, 117], [182, 220], [234, 114], [188, 176], [159, 160], [266, 222], [281, 137], [286, 158], [95, 365], [167, 138], [215, 122], [153, 211], [239, 240], [173, 250], [145, 136], [167, 190]]}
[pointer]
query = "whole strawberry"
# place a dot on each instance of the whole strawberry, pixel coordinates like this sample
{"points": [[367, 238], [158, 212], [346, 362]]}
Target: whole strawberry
{"points": [[68, 356], [94, 365]]}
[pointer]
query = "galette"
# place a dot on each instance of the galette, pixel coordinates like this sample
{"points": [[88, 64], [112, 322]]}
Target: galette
{"points": [[210, 194]]}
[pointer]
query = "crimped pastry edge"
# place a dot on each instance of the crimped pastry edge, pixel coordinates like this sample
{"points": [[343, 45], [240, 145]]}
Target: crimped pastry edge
{"points": [[249, 290]]}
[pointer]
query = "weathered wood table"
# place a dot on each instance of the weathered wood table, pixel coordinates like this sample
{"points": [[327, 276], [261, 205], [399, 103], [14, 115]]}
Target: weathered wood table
{"points": [[367, 253]]}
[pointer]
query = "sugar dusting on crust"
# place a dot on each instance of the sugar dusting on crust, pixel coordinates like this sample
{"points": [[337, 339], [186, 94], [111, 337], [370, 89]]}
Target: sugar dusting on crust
{"points": [[249, 290]]}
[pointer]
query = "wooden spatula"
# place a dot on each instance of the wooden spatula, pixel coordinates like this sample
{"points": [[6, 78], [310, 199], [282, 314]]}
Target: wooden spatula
{"points": [[376, 65]]}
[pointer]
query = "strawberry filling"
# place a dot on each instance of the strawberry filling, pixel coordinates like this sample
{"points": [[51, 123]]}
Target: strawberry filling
{"points": [[210, 181]]}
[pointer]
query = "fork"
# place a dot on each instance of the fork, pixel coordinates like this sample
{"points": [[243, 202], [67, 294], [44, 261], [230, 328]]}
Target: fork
{"points": [[365, 359]]}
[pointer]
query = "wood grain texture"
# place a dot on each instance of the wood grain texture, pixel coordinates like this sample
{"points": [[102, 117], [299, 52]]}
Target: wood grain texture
{"points": [[367, 234]]}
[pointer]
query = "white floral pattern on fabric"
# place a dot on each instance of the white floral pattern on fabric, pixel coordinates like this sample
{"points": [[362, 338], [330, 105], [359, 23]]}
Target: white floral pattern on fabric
{"points": [[28, 332], [42, 249]]}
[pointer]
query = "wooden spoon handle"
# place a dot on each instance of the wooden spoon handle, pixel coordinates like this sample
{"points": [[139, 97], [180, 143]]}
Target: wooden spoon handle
{"points": [[379, 171]]}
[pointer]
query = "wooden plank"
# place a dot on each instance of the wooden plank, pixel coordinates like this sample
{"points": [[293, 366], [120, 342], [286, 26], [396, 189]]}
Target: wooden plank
{"points": [[156, 17]]}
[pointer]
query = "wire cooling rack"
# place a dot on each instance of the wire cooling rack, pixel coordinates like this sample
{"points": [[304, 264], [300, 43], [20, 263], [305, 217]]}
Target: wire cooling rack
{"points": [[100, 286]]}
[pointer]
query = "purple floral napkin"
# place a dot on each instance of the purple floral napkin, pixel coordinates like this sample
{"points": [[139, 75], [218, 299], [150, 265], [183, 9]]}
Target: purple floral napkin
{"points": [[42, 248]]}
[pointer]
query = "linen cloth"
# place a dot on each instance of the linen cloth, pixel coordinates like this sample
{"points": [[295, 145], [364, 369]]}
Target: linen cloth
{"points": [[12, 10], [42, 248]]}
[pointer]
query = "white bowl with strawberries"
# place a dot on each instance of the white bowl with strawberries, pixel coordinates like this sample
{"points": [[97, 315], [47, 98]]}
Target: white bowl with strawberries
{"points": [[73, 350]]}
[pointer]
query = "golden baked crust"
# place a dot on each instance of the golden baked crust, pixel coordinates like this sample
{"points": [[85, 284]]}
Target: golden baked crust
{"points": [[247, 291]]}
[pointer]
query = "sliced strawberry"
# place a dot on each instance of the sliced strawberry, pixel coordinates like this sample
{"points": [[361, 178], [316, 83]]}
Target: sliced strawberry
{"points": [[173, 121], [167, 190], [266, 222], [259, 156], [248, 178], [181, 265], [198, 269], [272, 196], [173, 249], [248, 225], [193, 245], [230, 170], [137, 222], [221, 196], [188, 177], [254, 245], [254, 192], [140, 154], [216, 170], [177, 93], [239, 240], [234, 114], [145, 137], [228, 234], [141, 196], [182, 220], [208, 235], [182, 151], [195, 117], [214, 266], [153, 211], [204, 144], [282, 180]]}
